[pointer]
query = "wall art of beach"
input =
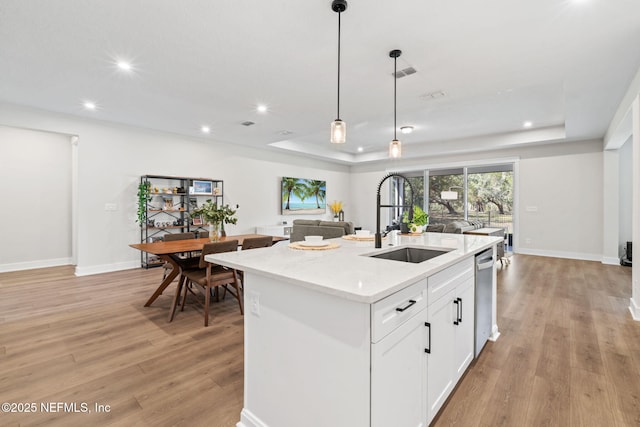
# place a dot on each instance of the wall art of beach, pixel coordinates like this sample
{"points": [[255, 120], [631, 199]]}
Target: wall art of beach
{"points": [[303, 196]]}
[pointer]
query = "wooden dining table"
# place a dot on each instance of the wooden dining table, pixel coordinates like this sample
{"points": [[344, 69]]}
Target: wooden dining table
{"points": [[169, 251]]}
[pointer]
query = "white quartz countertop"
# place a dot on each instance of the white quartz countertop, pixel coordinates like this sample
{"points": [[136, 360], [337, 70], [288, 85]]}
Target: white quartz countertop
{"points": [[346, 271]]}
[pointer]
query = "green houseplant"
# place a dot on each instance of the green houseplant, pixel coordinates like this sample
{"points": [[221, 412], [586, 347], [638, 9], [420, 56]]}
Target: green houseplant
{"points": [[144, 196], [216, 216], [420, 219]]}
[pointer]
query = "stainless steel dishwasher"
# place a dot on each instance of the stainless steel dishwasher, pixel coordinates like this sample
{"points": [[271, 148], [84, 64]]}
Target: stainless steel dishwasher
{"points": [[484, 297]]}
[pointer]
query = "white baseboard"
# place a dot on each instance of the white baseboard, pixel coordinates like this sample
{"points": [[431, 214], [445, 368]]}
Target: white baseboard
{"points": [[634, 309], [30, 265], [495, 334], [561, 254], [247, 419], [106, 268], [610, 260]]}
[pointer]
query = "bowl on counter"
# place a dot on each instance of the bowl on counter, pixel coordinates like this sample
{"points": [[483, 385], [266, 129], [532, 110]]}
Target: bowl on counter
{"points": [[312, 238], [363, 233]]}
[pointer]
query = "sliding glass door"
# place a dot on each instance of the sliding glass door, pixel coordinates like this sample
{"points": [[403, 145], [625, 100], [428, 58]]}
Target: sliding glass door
{"points": [[474, 193]]}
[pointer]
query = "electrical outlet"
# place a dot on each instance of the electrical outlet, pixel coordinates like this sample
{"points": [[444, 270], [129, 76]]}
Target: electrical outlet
{"points": [[254, 303], [110, 207], [527, 241]]}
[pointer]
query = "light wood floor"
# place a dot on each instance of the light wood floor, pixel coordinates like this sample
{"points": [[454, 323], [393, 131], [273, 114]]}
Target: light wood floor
{"points": [[569, 353]]}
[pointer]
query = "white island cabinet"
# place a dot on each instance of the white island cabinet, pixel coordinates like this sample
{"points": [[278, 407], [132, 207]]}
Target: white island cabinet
{"points": [[338, 338]]}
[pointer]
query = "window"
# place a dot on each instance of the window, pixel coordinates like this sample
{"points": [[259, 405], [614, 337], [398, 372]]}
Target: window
{"points": [[480, 193]]}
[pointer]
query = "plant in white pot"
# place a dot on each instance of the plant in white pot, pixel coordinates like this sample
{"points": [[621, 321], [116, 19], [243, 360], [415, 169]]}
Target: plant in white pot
{"points": [[215, 216], [420, 219]]}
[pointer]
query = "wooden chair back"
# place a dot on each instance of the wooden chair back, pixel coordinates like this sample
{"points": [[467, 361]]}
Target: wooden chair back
{"points": [[216, 248], [257, 242], [179, 236]]}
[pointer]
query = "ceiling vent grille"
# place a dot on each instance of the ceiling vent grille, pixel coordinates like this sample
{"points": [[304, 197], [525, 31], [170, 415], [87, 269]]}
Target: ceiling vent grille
{"points": [[248, 123], [404, 73]]}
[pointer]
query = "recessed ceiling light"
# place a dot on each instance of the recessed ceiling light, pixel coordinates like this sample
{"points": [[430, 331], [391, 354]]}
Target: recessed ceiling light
{"points": [[406, 129], [88, 105], [205, 129], [527, 124], [261, 108], [360, 149], [285, 132], [124, 65]]}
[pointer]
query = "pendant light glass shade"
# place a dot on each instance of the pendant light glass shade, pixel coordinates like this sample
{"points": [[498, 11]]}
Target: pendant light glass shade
{"points": [[395, 149], [338, 127], [338, 132]]}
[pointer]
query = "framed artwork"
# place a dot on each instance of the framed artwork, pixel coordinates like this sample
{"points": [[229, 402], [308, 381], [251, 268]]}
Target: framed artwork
{"points": [[197, 221], [203, 188], [300, 196]]}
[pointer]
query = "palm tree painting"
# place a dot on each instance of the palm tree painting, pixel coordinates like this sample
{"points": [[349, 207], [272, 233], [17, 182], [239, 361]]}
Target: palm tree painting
{"points": [[303, 196]]}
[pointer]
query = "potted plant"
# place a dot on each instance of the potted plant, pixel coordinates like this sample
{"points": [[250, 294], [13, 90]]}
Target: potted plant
{"points": [[144, 196], [336, 208], [420, 219], [216, 216]]}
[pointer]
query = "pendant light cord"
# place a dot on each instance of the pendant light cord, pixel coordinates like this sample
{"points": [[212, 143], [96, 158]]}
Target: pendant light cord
{"points": [[339, 13], [395, 82]]}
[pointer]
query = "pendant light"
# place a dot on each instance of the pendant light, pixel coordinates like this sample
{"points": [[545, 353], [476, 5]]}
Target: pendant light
{"points": [[395, 146], [338, 127]]}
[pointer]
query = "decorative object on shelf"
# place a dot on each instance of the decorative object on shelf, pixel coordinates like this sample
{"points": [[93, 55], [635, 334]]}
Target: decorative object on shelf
{"points": [[395, 146], [215, 216], [336, 208], [196, 220], [341, 215], [204, 188], [338, 127], [144, 196]]}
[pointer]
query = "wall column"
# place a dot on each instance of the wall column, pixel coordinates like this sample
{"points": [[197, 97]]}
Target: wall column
{"points": [[634, 305], [611, 207]]}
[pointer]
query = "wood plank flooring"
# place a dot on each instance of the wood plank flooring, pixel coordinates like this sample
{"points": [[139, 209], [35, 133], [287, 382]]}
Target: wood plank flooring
{"points": [[569, 353]]}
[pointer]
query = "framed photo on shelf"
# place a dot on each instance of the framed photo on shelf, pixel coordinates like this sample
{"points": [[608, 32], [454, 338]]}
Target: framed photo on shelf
{"points": [[204, 188], [197, 220]]}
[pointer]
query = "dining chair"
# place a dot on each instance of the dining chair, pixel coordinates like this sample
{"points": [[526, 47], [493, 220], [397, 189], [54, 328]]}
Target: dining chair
{"points": [[213, 276], [254, 243], [184, 256]]}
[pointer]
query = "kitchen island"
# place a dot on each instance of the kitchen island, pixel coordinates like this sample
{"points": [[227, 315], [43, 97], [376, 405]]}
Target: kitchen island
{"points": [[339, 338]]}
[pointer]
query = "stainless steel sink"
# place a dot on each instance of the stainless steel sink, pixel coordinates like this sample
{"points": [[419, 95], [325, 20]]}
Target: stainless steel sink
{"points": [[414, 255]]}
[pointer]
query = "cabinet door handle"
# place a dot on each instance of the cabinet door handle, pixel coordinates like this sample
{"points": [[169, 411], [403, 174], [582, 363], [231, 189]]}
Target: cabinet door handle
{"points": [[460, 315], [457, 303], [428, 349], [401, 309]]}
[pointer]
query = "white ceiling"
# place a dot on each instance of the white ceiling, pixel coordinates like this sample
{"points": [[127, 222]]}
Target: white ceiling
{"points": [[564, 65]]}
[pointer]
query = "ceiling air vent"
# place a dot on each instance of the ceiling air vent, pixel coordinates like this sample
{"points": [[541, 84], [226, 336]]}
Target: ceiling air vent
{"points": [[248, 123], [404, 73]]}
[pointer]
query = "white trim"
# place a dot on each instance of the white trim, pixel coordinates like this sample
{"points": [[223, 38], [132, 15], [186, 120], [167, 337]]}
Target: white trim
{"points": [[560, 254], [608, 260], [495, 334], [453, 165], [30, 265], [634, 309], [74, 198], [247, 419], [106, 268]]}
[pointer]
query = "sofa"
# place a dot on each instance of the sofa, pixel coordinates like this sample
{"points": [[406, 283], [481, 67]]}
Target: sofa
{"points": [[460, 226], [316, 227]]}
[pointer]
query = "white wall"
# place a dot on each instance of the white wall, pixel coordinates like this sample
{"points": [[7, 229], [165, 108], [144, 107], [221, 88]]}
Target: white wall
{"points": [[111, 159], [566, 194], [626, 193], [35, 171]]}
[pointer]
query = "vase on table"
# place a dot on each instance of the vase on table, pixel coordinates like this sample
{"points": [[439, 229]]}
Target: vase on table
{"points": [[214, 232]]}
